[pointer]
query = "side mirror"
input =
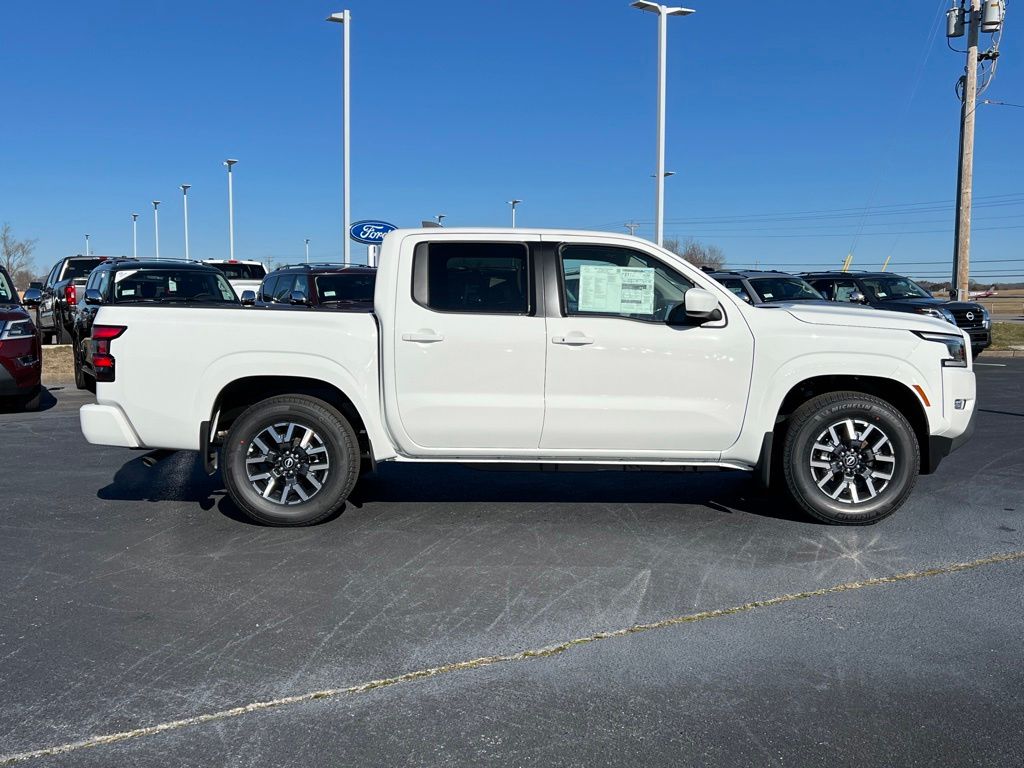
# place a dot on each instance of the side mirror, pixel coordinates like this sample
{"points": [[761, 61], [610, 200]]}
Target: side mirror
{"points": [[857, 297], [298, 297], [248, 298], [93, 297], [698, 306], [32, 297]]}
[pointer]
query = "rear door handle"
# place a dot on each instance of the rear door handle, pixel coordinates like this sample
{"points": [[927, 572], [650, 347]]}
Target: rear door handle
{"points": [[423, 337], [572, 341]]}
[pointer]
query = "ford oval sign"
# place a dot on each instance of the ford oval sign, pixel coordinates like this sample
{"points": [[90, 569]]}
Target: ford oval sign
{"points": [[370, 232]]}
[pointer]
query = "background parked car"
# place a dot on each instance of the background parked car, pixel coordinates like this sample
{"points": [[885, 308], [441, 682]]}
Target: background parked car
{"points": [[319, 285], [55, 301], [756, 286], [885, 290], [243, 275], [136, 281], [20, 354]]}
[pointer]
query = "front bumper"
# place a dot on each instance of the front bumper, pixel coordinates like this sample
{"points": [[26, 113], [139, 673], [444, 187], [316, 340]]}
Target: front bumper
{"points": [[107, 425], [980, 337], [20, 367], [940, 447]]}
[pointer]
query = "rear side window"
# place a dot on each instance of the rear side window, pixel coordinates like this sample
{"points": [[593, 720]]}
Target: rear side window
{"points": [[481, 278]]}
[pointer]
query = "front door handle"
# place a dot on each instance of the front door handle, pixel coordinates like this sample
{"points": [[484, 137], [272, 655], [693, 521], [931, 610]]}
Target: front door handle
{"points": [[572, 341], [423, 337]]}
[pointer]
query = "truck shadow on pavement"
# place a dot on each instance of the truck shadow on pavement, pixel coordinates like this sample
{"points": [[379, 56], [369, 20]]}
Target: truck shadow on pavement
{"points": [[180, 478]]}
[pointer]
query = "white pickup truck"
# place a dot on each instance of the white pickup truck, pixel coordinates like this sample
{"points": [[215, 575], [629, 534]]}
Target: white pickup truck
{"points": [[537, 347]]}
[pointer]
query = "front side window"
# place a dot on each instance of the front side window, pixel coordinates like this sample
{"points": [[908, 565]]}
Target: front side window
{"points": [[482, 278], [608, 280], [285, 286], [267, 289], [845, 289], [736, 287]]}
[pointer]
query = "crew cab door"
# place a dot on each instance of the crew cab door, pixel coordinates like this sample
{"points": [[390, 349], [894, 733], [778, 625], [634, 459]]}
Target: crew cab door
{"points": [[48, 298], [468, 347], [620, 380]]}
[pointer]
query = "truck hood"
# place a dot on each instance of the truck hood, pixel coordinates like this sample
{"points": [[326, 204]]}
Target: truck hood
{"points": [[865, 317], [912, 304]]}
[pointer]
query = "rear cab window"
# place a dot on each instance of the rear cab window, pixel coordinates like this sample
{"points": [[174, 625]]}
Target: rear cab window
{"points": [[481, 278]]}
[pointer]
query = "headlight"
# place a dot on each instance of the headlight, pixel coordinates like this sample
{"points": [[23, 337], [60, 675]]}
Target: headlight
{"points": [[18, 329], [954, 346], [940, 313], [986, 319]]}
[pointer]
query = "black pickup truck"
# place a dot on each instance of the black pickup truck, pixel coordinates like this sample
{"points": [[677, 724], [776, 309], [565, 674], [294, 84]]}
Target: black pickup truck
{"points": [[57, 298]]}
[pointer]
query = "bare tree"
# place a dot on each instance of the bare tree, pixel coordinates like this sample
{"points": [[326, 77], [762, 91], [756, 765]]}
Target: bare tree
{"points": [[696, 253], [16, 256]]}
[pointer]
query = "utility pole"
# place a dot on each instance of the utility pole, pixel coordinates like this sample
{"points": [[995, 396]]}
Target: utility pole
{"points": [[976, 17], [965, 169], [632, 227]]}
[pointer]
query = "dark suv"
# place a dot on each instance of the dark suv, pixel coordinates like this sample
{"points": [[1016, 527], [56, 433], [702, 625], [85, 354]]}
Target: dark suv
{"points": [[885, 290], [20, 362], [138, 281], [318, 285], [56, 300], [755, 286]]}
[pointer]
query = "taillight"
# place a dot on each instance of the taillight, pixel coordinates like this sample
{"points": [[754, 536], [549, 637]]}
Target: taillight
{"points": [[102, 360], [70, 294]]}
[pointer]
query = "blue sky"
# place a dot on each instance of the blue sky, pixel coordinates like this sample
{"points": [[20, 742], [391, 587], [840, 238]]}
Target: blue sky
{"points": [[457, 107]]}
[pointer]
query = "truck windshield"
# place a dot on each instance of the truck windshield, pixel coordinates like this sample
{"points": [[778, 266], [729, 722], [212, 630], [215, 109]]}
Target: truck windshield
{"points": [[887, 288], [354, 288], [78, 268], [170, 285], [774, 289], [241, 271]]}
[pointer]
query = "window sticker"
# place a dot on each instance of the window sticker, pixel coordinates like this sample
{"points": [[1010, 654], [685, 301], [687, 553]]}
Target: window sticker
{"points": [[172, 286], [769, 295], [328, 294], [123, 274], [617, 290]]}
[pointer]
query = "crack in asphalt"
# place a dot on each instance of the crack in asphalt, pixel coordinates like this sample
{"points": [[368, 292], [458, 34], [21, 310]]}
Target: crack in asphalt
{"points": [[486, 661]]}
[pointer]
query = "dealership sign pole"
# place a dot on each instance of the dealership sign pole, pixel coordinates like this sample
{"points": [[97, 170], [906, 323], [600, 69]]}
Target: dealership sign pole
{"points": [[371, 233]]}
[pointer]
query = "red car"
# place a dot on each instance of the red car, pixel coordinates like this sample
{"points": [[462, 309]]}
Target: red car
{"points": [[20, 354]]}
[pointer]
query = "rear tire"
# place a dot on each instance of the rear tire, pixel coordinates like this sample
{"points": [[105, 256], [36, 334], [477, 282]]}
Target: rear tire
{"points": [[290, 460], [976, 352], [850, 458], [76, 357], [63, 337]]}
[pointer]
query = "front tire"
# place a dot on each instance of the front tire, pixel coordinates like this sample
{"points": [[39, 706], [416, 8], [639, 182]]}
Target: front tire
{"points": [[290, 460], [850, 458]]}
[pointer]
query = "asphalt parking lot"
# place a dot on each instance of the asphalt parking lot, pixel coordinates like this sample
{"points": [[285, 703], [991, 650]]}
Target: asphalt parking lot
{"points": [[138, 602]]}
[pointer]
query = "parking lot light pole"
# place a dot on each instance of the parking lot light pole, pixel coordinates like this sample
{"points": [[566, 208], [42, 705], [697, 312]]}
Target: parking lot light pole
{"points": [[513, 203], [135, 235], [156, 226], [663, 11], [345, 19], [307, 250], [86, 245], [184, 203], [231, 211]]}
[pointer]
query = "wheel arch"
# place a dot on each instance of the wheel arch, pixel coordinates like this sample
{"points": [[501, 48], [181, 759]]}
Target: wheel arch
{"points": [[235, 397], [894, 392]]}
